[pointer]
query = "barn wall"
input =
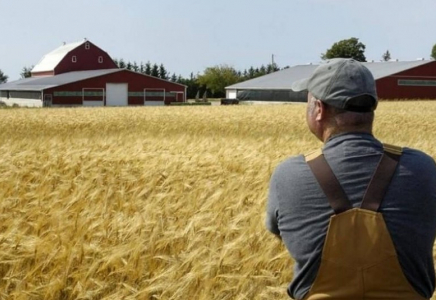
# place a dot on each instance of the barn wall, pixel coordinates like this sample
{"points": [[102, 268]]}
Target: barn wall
{"points": [[416, 83], [87, 59], [41, 74], [21, 98], [24, 102], [71, 94]]}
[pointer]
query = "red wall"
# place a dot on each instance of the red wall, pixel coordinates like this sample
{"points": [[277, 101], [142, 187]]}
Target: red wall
{"points": [[136, 83], [388, 88], [87, 59]]}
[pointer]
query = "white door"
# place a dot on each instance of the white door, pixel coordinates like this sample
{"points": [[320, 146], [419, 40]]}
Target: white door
{"points": [[231, 94], [117, 94]]}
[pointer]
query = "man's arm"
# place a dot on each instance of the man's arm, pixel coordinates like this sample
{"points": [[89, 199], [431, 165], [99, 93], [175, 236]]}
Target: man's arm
{"points": [[272, 211]]}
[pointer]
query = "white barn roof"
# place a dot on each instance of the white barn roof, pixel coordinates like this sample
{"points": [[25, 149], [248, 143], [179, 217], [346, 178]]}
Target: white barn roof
{"points": [[52, 59], [282, 80]]}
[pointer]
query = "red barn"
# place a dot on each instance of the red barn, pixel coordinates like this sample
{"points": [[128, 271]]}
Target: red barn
{"points": [[81, 73]]}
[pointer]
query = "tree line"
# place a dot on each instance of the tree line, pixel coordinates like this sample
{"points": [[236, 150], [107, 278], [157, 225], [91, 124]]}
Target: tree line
{"points": [[214, 79]]}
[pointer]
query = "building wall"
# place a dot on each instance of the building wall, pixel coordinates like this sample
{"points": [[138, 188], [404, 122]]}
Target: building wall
{"points": [[72, 94], [86, 59], [41, 74], [21, 102], [416, 83], [21, 98]]}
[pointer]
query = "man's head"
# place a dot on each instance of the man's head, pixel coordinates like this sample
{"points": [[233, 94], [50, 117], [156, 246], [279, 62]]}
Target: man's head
{"points": [[342, 98]]}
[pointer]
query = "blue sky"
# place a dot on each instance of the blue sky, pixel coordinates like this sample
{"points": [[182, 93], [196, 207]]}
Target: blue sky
{"points": [[190, 35]]}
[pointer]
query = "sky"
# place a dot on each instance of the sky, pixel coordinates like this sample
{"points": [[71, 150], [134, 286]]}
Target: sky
{"points": [[187, 36]]}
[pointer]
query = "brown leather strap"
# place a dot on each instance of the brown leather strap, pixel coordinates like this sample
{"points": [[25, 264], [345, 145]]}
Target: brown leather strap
{"points": [[380, 181], [329, 184]]}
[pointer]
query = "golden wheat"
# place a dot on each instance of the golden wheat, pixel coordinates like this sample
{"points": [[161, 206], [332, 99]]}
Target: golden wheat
{"points": [[155, 203]]}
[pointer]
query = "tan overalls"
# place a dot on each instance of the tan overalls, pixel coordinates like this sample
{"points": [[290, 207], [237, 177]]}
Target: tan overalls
{"points": [[359, 260]]}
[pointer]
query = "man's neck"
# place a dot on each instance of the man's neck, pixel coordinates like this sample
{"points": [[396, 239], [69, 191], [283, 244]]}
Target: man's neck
{"points": [[329, 132]]}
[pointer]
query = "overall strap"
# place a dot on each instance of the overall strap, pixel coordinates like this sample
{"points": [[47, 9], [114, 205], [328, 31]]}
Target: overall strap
{"points": [[381, 178], [329, 183]]}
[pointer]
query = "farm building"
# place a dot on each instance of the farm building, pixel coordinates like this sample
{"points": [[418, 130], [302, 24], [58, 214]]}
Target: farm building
{"points": [[394, 80], [81, 74]]}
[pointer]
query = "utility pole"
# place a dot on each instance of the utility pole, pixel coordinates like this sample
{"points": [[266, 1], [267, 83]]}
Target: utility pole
{"points": [[272, 59]]}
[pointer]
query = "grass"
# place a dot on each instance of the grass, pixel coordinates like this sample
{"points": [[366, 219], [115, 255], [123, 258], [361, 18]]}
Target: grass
{"points": [[156, 202]]}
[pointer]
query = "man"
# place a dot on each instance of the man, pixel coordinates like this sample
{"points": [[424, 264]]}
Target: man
{"points": [[349, 238]]}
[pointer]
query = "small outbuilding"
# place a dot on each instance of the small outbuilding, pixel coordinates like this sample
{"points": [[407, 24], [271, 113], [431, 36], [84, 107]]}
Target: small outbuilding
{"points": [[81, 74], [394, 80]]}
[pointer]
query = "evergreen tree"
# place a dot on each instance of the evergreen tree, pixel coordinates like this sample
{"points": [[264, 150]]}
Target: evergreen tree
{"points": [[155, 70], [163, 73], [129, 66], [3, 77], [148, 68], [121, 64], [262, 70], [142, 68], [116, 62], [173, 77], [270, 68], [245, 74], [386, 56], [251, 73], [135, 67]]}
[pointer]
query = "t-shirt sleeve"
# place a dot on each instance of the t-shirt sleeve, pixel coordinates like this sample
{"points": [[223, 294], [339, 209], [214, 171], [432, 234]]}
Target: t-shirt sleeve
{"points": [[272, 210]]}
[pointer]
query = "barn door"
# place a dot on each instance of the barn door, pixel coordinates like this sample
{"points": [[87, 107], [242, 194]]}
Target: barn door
{"points": [[48, 100], [117, 94]]}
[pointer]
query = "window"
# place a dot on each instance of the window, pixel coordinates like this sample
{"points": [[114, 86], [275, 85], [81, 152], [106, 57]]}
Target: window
{"points": [[74, 59], [87, 46], [100, 59]]}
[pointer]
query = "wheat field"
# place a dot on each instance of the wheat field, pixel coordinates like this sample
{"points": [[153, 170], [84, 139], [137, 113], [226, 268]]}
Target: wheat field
{"points": [[155, 203]]}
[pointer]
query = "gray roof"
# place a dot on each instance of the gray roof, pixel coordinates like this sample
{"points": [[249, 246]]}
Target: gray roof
{"points": [[283, 79], [42, 83]]}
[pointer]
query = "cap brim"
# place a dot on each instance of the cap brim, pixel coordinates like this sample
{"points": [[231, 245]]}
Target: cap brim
{"points": [[300, 85]]}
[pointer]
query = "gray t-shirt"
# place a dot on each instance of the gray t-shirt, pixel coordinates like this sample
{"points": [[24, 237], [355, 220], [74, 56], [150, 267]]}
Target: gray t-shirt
{"points": [[299, 212]]}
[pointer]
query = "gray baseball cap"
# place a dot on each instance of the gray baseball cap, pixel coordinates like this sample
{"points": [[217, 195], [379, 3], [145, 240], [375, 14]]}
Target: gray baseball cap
{"points": [[343, 83]]}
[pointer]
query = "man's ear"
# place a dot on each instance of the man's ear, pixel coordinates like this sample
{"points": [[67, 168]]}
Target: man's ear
{"points": [[320, 110]]}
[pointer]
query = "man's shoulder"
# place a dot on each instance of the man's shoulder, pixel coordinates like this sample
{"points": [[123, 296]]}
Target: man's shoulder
{"points": [[292, 162], [417, 157], [293, 166]]}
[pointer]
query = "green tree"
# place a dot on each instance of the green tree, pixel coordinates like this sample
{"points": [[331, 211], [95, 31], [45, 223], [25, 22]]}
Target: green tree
{"points": [[26, 72], [135, 67], [350, 48], [3, 77], [155, 70], [386, 56], [217, 78], [191, 84], [121, 64], [433, 52], [163, 73], [148, 68]]}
